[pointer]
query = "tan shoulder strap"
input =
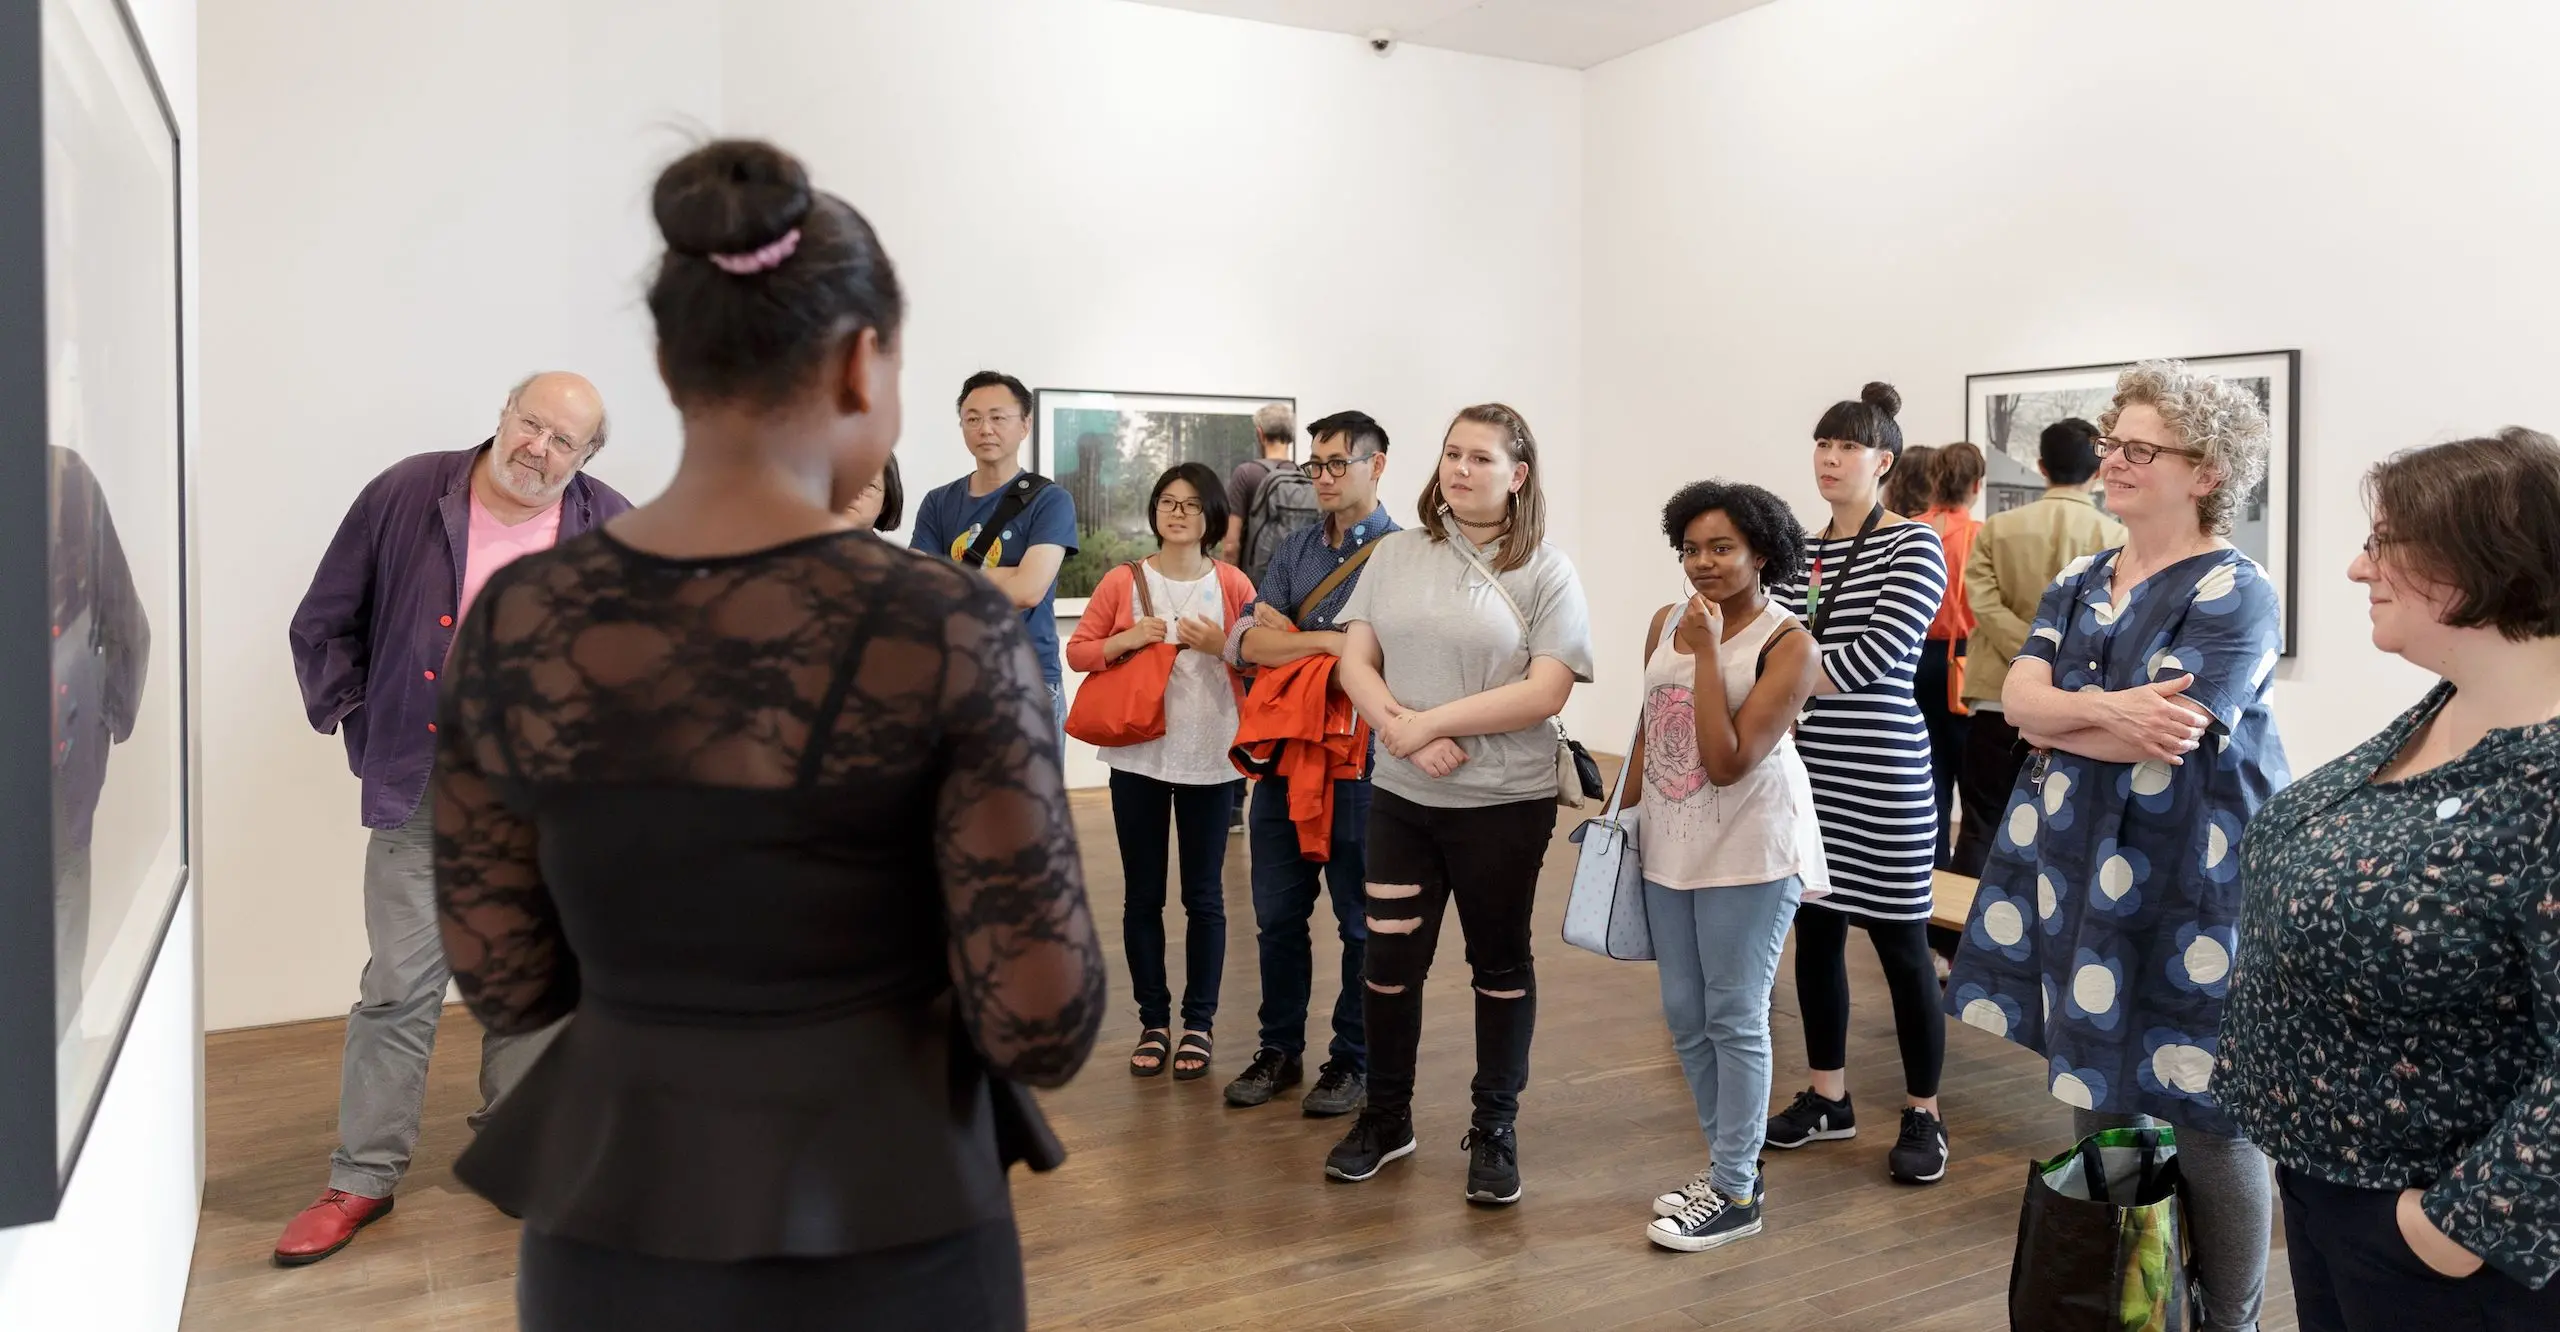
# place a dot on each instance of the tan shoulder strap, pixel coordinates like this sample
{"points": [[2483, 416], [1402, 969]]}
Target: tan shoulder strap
{"points": [[1146, 598], [1333, 580]]}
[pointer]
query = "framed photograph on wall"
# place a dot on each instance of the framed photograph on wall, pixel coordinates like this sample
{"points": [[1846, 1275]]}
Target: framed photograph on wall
{"points": [[93, 725], [2006, 414], [1107, 449]]}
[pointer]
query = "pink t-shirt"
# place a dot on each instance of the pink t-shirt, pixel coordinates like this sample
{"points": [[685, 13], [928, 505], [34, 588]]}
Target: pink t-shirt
{"points": [[494, 546]]}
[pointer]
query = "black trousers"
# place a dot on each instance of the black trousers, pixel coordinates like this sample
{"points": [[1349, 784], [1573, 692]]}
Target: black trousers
{"points": [[969, 1282], [1822, 992], [2353, 1271], [1946, 735], [1993, 757], [1422, 858]]}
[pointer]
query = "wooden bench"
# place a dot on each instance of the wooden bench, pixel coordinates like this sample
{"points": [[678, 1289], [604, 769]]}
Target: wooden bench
{"points": [[1951, 902]]}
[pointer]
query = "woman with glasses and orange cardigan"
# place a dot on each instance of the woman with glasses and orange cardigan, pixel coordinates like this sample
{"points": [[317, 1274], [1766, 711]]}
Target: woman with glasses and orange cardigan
{"points": [[1181, 782]]}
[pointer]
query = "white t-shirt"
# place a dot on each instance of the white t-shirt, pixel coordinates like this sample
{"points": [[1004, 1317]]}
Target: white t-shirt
{"points": [[1199, 703], [1700, 835]]}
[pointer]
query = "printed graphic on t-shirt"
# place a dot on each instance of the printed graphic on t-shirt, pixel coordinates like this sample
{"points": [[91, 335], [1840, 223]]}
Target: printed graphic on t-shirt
{"points": [[1671, 745], [995, 549]]}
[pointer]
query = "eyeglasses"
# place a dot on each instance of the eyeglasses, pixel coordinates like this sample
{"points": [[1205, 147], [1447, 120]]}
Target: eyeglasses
{"points": [[1336, 468], [1188, 508], [2375, 541], [2140, 453], [538, 433], [999, 420]]}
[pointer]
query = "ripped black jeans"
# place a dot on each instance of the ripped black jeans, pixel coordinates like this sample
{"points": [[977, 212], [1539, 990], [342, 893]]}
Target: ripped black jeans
{"points": [[1422, 857]]}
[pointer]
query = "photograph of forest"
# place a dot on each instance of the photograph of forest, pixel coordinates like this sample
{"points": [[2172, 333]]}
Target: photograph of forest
{"points": [[1107, 449]]}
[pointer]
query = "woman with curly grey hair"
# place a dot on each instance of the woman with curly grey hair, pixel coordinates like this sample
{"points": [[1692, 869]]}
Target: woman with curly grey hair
{"points": [[2103, 934]]}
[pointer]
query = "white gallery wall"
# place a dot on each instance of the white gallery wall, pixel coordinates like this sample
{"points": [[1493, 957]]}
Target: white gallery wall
{"points": [[1099, 195], [1816, 193], [117, 1252], [407, 208]]}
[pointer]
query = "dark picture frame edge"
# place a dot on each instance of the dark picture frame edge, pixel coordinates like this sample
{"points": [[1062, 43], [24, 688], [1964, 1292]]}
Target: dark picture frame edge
{"points": [[2291, 445], [34, 1173]]}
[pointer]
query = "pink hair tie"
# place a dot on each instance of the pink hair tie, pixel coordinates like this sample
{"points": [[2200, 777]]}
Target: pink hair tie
{"points": [[757, 261]]}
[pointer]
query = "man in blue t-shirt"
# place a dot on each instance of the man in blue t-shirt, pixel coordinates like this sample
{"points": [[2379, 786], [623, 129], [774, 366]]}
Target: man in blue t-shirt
{"points": [[1023, 559]]}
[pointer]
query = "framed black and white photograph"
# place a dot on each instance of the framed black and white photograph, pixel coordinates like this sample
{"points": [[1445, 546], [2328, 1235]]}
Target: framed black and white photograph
{"points": [[93, 731], [1107, 449], [2006, 414]]}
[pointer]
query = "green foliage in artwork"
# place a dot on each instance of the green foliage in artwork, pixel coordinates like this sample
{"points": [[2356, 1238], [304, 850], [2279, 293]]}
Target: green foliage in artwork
{"points": [[1098, 553]]}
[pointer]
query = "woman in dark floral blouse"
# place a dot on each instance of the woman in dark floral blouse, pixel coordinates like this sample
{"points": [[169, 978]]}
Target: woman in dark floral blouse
{"points": [[2393, 1033]]}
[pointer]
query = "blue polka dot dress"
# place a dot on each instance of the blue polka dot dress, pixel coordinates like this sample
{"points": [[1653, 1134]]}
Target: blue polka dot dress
{"points": [[2104, 931]]}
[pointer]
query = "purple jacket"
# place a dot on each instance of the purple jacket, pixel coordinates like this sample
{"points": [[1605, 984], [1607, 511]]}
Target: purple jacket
{"points": [[372, 632]]}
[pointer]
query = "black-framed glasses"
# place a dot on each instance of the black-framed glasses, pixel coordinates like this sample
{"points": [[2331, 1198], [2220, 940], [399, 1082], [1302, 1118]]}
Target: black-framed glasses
{"points": [[1188, 508], [2141, 453], [2375, 541], [1336, 468]]}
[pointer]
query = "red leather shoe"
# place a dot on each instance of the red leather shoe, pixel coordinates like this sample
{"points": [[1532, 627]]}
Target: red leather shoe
{"points": [[325, 1227]]}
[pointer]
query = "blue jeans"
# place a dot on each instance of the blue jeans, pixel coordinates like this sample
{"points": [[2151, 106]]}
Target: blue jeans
{"points": [[1144, 812], [1717, 949], [1285, 886]]}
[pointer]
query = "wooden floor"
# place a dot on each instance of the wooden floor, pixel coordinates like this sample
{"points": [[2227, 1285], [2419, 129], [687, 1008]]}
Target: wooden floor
{"points": [[1178, 1213]]}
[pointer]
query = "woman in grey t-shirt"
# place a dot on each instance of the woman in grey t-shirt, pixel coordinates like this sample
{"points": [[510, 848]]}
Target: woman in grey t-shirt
{"points": [[1466, 637]]}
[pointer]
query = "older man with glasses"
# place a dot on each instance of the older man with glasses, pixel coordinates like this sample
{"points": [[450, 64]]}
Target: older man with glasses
{"points": [[371, 635]]}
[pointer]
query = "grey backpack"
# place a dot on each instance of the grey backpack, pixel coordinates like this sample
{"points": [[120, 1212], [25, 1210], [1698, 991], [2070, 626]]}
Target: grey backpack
{"points": [[1285, 502]]}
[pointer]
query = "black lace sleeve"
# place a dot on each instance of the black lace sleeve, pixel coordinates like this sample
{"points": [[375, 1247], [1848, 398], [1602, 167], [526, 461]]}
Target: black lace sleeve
{"points": [[501, 932], [1024, 954]]}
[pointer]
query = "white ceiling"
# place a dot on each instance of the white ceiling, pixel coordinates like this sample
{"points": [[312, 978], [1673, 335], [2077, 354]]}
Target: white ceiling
{"points": [[1576, 34]]}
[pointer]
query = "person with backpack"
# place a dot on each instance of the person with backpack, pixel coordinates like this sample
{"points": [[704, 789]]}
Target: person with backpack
{"points": [[1268, 498], [1297, 614], [1011, 524]]}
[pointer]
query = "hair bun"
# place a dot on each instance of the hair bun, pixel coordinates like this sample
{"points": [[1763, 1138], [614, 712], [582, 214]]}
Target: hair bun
{"points": [[1882, 397], [730, 196]]}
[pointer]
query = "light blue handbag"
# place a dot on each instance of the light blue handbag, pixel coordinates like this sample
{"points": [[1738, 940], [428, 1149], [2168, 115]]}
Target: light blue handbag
{"points": [[1605, 912]]}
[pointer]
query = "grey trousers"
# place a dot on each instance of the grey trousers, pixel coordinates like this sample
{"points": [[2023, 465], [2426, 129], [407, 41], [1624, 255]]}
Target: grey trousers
{"points": [[382, 1087], [2230, 1217]]}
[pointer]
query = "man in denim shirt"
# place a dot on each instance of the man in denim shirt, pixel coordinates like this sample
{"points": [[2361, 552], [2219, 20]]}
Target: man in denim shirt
{"points": [[368, 642], [1347, 461]]}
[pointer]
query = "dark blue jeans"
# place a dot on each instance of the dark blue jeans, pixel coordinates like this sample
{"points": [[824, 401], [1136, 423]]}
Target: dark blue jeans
{"points": [[1145, 811], [1285, 887]]}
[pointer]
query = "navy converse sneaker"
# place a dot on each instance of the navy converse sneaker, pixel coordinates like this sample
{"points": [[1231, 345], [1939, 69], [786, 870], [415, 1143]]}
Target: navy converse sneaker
{"points": [[1710, 1222]]}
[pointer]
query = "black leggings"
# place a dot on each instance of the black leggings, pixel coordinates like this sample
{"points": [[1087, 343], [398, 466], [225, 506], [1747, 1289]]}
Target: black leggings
{"points": [[1421, 858], [1822, 991]]}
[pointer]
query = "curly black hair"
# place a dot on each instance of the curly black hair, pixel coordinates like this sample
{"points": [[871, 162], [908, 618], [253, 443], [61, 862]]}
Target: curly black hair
{"points": [[1765, 521]]}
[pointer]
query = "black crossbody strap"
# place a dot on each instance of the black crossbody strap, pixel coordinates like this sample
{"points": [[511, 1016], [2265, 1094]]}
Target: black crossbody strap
{"points": [[1017, 497], [1822, 607]]}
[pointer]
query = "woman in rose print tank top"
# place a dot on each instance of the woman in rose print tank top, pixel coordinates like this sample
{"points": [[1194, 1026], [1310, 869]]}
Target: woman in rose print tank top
{"points": [[1727, 827]]}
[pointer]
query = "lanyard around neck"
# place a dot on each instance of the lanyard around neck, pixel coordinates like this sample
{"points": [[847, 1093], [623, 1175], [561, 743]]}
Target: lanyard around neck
{"points": [[1816, 607]]}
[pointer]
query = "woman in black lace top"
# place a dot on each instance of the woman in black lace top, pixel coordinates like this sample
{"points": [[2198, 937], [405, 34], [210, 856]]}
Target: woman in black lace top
{"points": [[775, 809]]}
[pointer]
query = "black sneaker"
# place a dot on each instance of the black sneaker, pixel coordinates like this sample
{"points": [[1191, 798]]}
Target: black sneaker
{"points": [[1921, 1156], [1493, 1168], [1707, 1223], [1339, 1090], [1813, 1118], [1697, 1189], [1270, 1074], [1377, 1138]]}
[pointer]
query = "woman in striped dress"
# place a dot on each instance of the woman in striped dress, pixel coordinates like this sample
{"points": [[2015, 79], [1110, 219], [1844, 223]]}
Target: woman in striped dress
{"points": [[1875, 583]]}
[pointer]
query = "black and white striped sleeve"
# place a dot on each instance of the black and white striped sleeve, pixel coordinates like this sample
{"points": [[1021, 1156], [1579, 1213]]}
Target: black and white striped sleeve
{"points": [[1914, 581]]}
